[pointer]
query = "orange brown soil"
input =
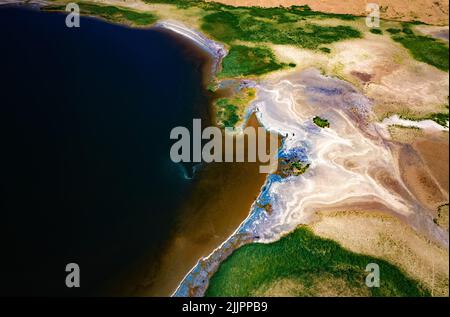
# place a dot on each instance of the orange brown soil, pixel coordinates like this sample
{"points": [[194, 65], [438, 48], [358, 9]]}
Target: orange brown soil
{"points": [[423, 166], [419, 180], [434, 153], [428, 11]]}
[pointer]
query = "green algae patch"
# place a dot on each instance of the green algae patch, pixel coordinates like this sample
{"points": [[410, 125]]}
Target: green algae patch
{"points": [[312, 264], [323, 123]]}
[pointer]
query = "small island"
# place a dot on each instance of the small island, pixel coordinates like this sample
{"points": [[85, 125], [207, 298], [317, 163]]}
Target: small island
{"points": [[323, 123], [292, 162]]}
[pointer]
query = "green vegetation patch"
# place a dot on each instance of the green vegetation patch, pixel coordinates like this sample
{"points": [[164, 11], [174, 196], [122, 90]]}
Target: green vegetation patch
{"points": [[299, 168], [439, 118], [246, 25], [243, 61], [229, 111], [423, 48], [323, 123], [292, 168], [232, 25], [376, 31], [112, 13], [306, 259], [394, 30]]}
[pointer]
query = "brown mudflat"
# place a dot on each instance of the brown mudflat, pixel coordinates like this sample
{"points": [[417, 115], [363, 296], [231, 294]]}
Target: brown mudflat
{"points": [[220, 201], [434, 153]]}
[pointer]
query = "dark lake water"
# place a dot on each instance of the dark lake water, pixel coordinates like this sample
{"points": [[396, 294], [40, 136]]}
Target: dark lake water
{"points": [[85, 172]]}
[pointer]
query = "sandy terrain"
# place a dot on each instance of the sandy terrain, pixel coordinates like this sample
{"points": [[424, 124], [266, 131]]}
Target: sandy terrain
{"points": [[326, 286], [350, 161], [428, 11], [419, 181], [424, 163], [383, 70], [434, 153], [402, 134]]}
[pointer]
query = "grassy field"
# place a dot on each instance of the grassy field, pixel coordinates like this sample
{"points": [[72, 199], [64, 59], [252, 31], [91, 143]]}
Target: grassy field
{"points": [[244, 61], [316, 266], [258, 26], [423, 48], [112, 13], [272, 25]]}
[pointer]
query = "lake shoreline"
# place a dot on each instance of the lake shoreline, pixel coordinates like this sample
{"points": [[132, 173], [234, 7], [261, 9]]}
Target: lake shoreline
{"points": [[216, 53], [255, 225]]}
